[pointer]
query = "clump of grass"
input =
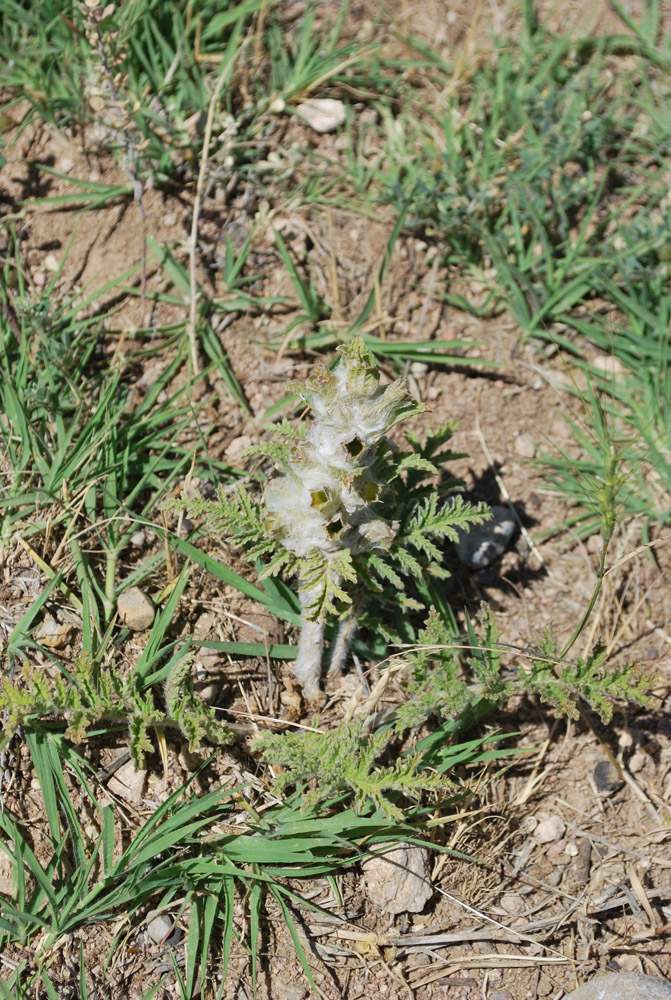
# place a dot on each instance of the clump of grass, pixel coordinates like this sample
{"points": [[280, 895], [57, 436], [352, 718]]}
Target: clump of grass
{"points": [[539, 177]]}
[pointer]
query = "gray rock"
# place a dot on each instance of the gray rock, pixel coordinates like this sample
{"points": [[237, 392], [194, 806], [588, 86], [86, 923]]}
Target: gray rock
{"points": [[128, 783], [158, 927], [483, 544], [606, 778], [398, 880], [290, 991], [623, 986], [136, 609]]}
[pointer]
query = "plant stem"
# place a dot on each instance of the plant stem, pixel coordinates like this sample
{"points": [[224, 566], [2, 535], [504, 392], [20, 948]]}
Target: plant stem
{"points": [[342, 642], [308, 665], [590, 607]]}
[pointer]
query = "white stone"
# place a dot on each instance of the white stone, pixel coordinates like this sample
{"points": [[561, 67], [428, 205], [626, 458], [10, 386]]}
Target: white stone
{"points": [[524, 446], [623, 986], [158, 927], [550, 829], [512, 903], [128, 783], [6, 880], [323, 114]]}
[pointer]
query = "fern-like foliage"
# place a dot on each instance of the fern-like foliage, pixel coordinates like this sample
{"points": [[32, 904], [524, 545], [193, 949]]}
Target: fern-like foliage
{"points": [[281, 445], [346, 759], [325, 577], [562, 683], [196, 720], [235, 514], [89, 693], [426, 524], [436, 686], [442, 679]]}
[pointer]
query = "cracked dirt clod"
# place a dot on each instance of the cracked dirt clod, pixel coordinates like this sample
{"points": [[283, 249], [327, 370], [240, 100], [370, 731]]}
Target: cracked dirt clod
{"points": [[136, 609], [397, 881]]}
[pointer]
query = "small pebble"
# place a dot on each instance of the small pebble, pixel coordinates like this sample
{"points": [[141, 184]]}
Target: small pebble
{"points": [[237, 446], [512, 903], [525, 446], [290, 991], [136, 609], [7, 885], [158, 927], [606, 778], [128, 783], [138, 539], [550, 829], [594, 544], [623, 986], [52, 633], [323, 114], [189, 761], [209, 693]]}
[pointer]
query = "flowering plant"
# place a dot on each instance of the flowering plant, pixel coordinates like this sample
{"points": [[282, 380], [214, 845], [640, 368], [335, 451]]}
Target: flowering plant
{"points": [[346, 510]]}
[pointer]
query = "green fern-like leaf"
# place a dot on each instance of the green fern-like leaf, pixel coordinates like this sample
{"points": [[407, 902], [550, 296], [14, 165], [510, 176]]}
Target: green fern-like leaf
{"points": [[235, 514], [431, 522], [323, 575], [485, 658], [416, 463], [344, 759], [196, 720], [435, 688], [563, 683], [280, 447], [91, 693]]}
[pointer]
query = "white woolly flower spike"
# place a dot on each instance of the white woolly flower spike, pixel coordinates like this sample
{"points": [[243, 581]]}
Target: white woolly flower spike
{"points": [[326, 499]]}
